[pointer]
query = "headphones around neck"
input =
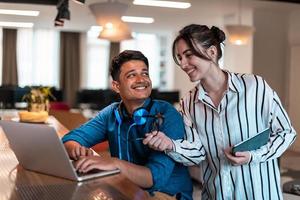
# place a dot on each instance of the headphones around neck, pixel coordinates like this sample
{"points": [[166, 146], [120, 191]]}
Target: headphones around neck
{"points": [[139, 116]]}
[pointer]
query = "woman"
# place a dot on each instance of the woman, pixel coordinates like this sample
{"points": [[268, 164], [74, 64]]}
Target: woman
{"points": [[222, 110]]}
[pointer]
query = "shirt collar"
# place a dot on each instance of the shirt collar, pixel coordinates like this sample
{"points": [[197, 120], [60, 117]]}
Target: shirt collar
{"points": [[125, 112], [233, 85], [233, 82]]}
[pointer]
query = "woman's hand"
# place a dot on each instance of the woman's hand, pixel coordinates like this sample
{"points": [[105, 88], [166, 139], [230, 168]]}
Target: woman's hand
{"points": [[158, 141], [240, 158]]}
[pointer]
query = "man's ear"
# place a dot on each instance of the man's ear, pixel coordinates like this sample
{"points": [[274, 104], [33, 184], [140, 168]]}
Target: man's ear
{"points": [[115, 86]]}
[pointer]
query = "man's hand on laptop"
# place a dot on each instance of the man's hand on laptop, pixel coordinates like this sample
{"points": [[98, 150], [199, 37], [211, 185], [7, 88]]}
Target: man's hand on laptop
{"points": [[88, 163], [75, 150]]}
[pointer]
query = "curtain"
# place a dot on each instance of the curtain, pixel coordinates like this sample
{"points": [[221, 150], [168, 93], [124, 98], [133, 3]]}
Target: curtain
{"points": [[9, 60], [70, 65], [95, 61], [38, 57]]}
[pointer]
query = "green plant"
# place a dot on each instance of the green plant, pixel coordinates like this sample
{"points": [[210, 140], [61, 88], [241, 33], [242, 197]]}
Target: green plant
{"points": [[39, 95]]}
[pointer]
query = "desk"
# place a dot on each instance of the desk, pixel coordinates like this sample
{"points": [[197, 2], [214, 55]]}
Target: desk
{"points": [[18, 183]]}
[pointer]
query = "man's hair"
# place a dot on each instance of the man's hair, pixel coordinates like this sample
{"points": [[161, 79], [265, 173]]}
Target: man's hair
{"points": [[123, 57]]}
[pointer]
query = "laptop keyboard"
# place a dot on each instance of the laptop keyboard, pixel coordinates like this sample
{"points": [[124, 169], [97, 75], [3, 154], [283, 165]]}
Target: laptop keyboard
{"points": [[93, 171]]}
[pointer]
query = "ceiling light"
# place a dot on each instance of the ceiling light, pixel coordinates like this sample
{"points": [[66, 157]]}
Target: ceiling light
{"points": [[17, 24], [167, 4], [96, 28], [116, 33], [239, 34], [94, 31], [132, 19], [79, 1], [109, 25], [19, 12], [108, 15]]}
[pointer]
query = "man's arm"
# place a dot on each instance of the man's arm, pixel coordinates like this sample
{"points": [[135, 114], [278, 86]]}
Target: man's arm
{"points": [[189, 151], [139, 175]]}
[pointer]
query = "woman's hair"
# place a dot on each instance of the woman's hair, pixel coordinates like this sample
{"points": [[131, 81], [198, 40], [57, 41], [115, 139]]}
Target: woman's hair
{"points": [[200, 34]]}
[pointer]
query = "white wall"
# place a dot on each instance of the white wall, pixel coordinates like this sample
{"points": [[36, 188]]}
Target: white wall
{"points": [[294, 94], [276, 56], [270, 48], [293, 106]]}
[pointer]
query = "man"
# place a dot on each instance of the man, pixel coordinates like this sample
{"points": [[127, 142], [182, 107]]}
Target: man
{"points": [[125, 124]]}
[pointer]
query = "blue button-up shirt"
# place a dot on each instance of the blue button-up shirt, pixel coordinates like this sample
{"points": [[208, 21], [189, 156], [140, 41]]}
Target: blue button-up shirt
{"points": [[168, 176]]}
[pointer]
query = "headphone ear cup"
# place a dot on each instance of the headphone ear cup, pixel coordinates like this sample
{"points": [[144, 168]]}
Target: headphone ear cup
{"points": [[140, 116], [117, 115]]}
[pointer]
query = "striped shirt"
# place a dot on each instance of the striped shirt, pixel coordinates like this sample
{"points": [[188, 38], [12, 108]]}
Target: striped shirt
{"points": [[248, 107]]}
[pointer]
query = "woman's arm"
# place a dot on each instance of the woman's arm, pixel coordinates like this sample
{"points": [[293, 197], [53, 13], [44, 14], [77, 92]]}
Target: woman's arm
{"points": [[282, 136]]}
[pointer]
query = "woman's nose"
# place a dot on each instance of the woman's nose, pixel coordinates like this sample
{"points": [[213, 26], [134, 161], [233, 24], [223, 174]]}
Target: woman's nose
{"points": [[183, 63]]}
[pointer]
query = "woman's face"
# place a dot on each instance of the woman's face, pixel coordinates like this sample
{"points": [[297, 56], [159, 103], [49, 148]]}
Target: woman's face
{"points": [[196, 68]]}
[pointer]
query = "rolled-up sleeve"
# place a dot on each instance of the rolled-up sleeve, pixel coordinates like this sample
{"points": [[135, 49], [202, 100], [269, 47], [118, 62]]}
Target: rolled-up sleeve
{"points": [[282, 136], [160, 164], [92, 132]]}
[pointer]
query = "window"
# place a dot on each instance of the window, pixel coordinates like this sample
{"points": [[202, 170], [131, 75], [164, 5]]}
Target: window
{"points": [[1, 53], [38, 57], [95, 65], [149, 45], [95, 61]]}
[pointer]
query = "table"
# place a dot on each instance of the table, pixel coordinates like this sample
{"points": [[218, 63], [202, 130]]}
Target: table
{"points": [[18, 183]]}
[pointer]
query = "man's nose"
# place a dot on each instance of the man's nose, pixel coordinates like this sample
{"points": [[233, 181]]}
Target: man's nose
{"points": [[140, 78]]}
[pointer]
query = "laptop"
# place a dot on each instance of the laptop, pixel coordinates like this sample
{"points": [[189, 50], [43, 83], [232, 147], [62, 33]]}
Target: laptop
{"points": [[38, 148]]}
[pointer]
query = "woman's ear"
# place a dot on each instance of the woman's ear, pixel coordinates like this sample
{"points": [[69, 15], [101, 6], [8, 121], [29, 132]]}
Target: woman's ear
{"points": [[212, 52], [115, 86]]}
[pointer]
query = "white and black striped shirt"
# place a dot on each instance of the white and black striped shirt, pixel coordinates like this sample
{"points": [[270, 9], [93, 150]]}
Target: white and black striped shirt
{"points": [[248, 107]]}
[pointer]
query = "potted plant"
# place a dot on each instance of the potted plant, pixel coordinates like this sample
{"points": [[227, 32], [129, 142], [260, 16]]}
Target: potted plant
{"points": [[38, 99], [37, 105]]}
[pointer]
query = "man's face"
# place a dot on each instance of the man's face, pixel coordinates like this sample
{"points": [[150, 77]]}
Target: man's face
{"points": [[134, 82]]}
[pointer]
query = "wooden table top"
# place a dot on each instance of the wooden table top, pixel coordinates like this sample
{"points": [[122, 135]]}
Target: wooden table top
{"points": [[18, 183]]}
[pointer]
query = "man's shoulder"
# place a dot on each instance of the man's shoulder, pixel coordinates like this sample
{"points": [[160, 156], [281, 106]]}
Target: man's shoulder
{"points": [[161, 104], [108, 109]]}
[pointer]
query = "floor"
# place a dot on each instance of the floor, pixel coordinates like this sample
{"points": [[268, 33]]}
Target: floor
{"points": [[290, 171]]}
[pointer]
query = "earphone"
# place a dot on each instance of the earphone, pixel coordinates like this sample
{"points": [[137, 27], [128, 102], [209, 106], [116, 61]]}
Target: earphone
{"points": [[139, 117]]}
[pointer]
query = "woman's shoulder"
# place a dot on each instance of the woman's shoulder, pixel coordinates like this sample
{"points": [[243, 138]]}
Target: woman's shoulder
{"points": [[245, 76], [251, 82], [248, 79]]}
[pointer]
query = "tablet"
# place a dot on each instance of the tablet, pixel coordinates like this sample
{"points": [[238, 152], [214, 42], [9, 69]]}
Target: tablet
{"points": [[253, 143]]}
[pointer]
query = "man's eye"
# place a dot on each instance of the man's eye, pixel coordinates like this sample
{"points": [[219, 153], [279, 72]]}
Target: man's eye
{"points": [[145, 74], [130, 75]]}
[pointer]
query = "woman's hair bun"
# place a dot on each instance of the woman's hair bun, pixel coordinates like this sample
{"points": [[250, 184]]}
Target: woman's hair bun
{"points": [[218, 34]]}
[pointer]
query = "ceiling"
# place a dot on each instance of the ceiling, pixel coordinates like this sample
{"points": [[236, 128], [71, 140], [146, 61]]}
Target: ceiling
{"points": [[166, 19]]}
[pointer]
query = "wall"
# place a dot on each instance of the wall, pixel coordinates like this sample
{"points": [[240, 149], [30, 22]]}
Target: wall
{"points": [[270, 49], [293, 105], [294, 95], [276, 51]]}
